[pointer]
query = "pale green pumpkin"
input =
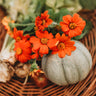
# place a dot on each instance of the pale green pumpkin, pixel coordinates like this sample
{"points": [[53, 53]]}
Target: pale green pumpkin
{"points": [[70, 69]]}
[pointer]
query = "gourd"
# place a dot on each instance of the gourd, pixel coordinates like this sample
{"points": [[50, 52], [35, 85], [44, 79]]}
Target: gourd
{"points": [[70, 69]]}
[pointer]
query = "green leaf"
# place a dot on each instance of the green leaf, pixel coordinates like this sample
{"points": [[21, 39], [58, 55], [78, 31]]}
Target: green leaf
{"points": [[88, 4], [34, 66], [62, 13], [40, 7], [31, 61], [57, 17], [86, 30], [26, 21], [50, 12], [28, 28]]}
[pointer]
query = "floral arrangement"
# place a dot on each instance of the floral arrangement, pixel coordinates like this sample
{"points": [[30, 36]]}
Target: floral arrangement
{"points": [[42, 37]]}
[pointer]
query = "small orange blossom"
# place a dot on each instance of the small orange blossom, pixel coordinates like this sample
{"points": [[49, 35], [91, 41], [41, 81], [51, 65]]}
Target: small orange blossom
{"points": [[5, 22], [18, 35], [64, 46], [43, 43], [43, 21], [72, 26], [23, 51]]}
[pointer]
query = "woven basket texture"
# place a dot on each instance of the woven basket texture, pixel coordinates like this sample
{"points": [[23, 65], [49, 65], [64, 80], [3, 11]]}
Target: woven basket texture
{"points": [[86, 87]]}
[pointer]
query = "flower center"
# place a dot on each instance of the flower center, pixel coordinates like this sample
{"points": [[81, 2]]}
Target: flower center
{"points": [[61, 46], [19, 51], [44, 40], [18, 38], [72, 25], [43, 22]]}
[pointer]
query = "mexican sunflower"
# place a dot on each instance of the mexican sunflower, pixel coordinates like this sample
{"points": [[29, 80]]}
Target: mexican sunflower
{"points": [[72, 26], [23, 51], [43, 21], [43, 42], [18, 35], [64, 46], [35, 55], [6, 22]]}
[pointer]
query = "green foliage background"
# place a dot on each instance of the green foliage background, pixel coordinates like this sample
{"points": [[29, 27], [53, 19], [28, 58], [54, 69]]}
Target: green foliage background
{"points": [[88, 4], [20, 10], [24, 12]]}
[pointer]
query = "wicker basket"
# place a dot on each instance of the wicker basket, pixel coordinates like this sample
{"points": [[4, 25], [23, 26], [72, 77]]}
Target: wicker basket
{"points": [[86, 87]]}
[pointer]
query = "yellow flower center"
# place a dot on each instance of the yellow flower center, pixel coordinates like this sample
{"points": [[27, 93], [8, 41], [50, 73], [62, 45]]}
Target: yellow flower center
{"points": [[19, 51], [18, 38], [43, 22], [44, 40], [72, 25], [61, 46]]}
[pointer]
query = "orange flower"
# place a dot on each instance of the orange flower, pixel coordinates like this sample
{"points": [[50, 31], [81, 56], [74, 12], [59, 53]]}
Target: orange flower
{"points": [[72, 26], [64, 46], [5, 22], [43, 42], [18, 35], [35, 55], [43, 21], [23, 51]]}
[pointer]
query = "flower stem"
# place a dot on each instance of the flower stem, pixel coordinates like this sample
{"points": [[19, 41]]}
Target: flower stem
{"points": [[26, 79], [17, 24]]}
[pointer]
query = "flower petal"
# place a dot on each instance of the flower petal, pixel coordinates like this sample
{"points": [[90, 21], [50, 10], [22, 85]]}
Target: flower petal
{"points": [[24, 58], [67, 19], [61, 53], [69, 43], [81, 25], [72, 33], [33, 39], [36, 42], [52, 43], [54, 52], [65, 28], [49, 36], [64, 38], [76, 18], [15, 30], [49, 21], [44, 49], [57, 36], [78, 31], [73, 48], [36, 46], [68, 51], [35, 55], [41, 34]]}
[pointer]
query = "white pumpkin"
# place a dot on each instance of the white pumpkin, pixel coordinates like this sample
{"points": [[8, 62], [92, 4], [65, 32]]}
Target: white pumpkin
{"points": [[70, 69]]}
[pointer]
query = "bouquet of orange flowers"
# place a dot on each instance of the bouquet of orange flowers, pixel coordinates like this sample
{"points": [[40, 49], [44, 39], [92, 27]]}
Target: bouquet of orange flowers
{"points": [[43, 37], [33, 47]]}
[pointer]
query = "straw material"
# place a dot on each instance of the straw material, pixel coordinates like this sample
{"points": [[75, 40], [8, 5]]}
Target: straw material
{"points": [[86, 87], [2, 30]]}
